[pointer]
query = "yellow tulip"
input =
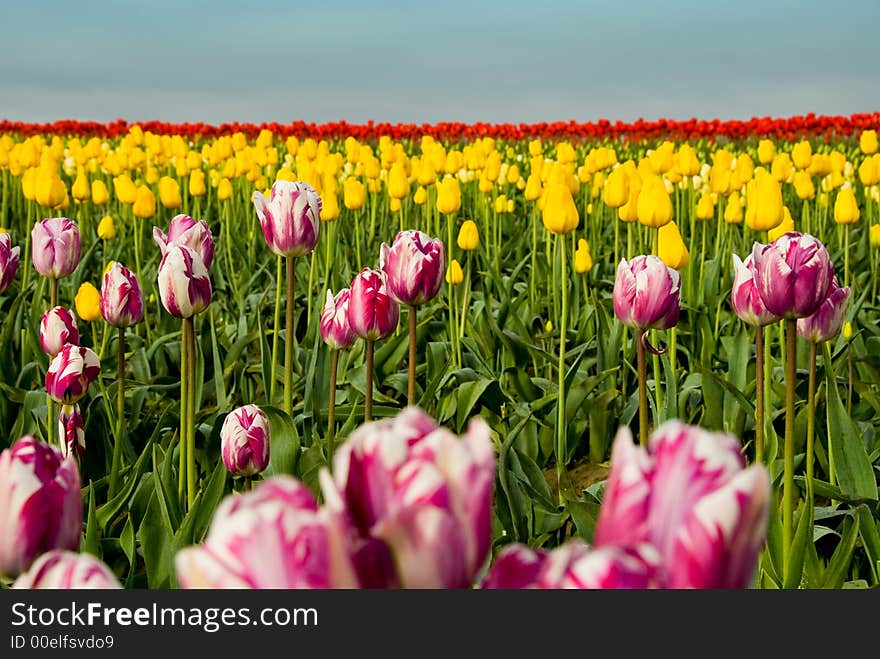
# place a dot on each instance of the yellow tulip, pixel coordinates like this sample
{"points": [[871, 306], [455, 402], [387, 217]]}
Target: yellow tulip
{"points": [[868, 141], [100, 194], [145, 203], [733, 211], [88, 302], [672, 250], [869, 173], [781, 168], [454, 275], [398, 185], [705, 207], [468, 236], [80, 189], [874, 235], [764, 197], [535, 148], [197, 186], [501, 204], [820, 165], [766, 151], [803, 185], [394, 205], [534, 189], [420, 196], [847, 330], [802, 154], [329, 207], [654, 206], [29, 184], [565, 153], [687, 162], [224, 189], [50, 189], [719, 179], [560, 215], [448, 196], [846, 208], [784, 227], [512, 174], [616, 192], [583, 261], [126, 190], [106, 228], [661, 158], [169, 192], [353, 193]]}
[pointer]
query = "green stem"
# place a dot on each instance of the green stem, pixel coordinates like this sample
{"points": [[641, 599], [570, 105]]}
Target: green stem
{"points": [[279, 269], [288, 339], [368, 399], [788, 479], [331, 406], [184, 415], [560, 399], [465, 300], [846, 255], [51, 416], [811, 419], [759, 394], [191, 413], [116, 465], [643, 387], [411, 382], [829, 374]]}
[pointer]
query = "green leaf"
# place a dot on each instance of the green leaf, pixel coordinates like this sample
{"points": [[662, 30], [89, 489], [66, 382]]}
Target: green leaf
{"points": [[802, 537], [870, 539], [284, 443], [584, 514], [126, 541], [219, 382], [207, 501], [837, 568], [90, 544]]}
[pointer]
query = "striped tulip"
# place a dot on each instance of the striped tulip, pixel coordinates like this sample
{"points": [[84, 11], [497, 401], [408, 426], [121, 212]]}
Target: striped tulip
{"points": [[56, 246], [66, 570], [57, 329], [689, 496], [244, 441], [290, 217], [8, 261], [745, 298], [71, 430], [372, 312], [420, 491], [574, 565], [122, 302], [335, 329], [647, 293], [40, 503], [71, 372], [274, 536], [415, 264], [184, 283], [826, 322], [186, 232], [792, 274]]}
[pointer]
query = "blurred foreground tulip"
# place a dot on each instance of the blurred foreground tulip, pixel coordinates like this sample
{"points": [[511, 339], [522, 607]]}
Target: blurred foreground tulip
{"points": [[61, 569]]}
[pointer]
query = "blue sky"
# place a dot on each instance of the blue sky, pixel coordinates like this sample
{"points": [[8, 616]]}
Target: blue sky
{"points": [[439, 61]]}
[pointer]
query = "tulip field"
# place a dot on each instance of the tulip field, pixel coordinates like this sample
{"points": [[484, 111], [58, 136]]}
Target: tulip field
{"points": [[601, 355]]}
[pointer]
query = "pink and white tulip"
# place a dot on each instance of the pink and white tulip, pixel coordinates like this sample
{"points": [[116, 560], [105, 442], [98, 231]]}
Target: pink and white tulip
{"points": [[423, 492], [647, 293], [290, 217], [71, 430], [8, 261], [826, 322], [71, 372], [745, 298], [372, 312], [40, 503], [57, 329], [689, 496], [56, 246], [792, 274], [66, 570], [415, 264], [184, 283], [122, 302], [274, 536], [574, 565], [244, 441], [186, 232], [335, 330]]}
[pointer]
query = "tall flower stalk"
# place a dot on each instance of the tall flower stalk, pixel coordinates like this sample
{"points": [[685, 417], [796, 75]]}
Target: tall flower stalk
{"points": [[338, 335]]}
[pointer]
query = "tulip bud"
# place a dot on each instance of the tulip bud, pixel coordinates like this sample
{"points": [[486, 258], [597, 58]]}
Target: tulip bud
{"points": [[705, 207], [106, 228], [847, 330], [353, 193], [733, 211], [125, 189], [184, 283], [647, 293], [420, 196], [874, 235], [8, 261], [846, 208], [57, 328], [826, 322], [468, 236], [100, 194], [71, 372], [784, 227], [792, 274], [654, 206], [61, 569], [372, 312], [40, 503], [398, 184], [802, 154], [88, 302], [766, 151], [290, 217], [534, 188], [197, 187], [745, 298], [454, 274], [186, 232], [559, 215], [56, 246], [868, 141], [448, 196], [244, 441], [671, 248], [145, 203], [583, 261], [335, 330], [414, 265], [224, 189], [616, 192], [122, 302], [71, 430], [169, 192], [81, 190]]}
